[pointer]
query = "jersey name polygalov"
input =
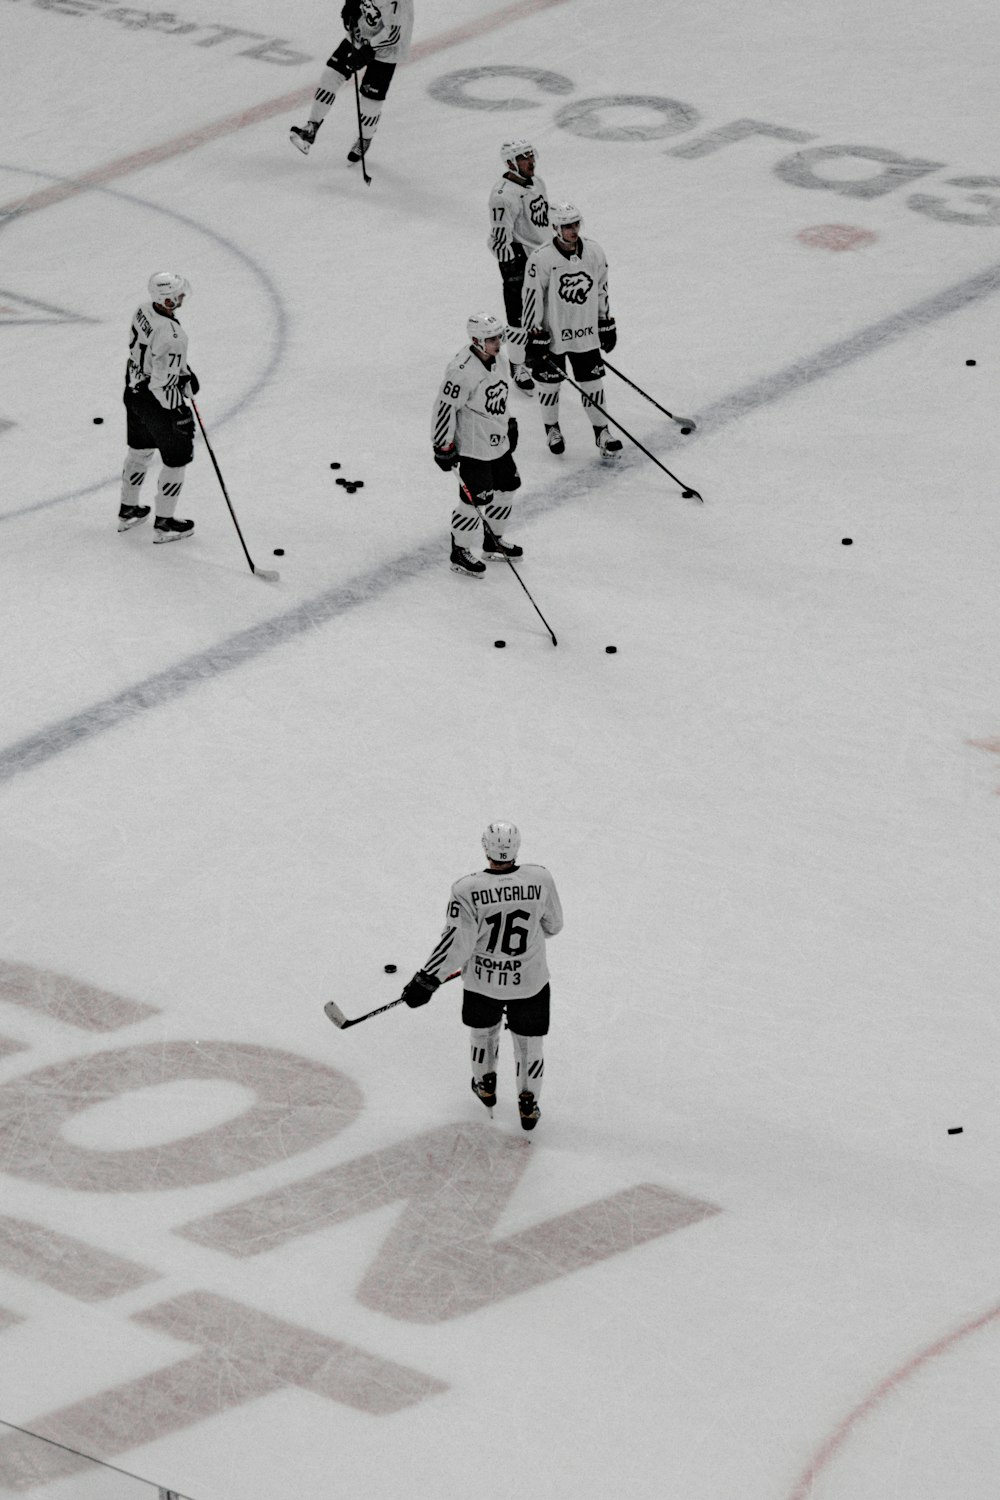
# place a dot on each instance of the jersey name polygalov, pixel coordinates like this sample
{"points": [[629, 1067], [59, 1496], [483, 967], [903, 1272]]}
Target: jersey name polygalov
{"points": [[494, 893]]}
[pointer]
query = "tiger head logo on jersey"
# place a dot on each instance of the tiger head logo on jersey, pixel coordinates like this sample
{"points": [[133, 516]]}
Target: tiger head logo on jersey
{"points": [[575, 286], [496, 398], [538, 209], [371, 13]]}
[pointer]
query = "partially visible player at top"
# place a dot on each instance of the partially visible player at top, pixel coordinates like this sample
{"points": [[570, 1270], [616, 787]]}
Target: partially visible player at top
{"points": [[471, 431], [495, 930], [519, 220], [567, 315], [377, 40], [157, 416]]}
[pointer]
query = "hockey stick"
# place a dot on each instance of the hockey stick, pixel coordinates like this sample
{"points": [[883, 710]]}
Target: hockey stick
{"points": [[361, 132], [268, 574], [686, 424], [493, 538], [336, 1015], [686, 490]]}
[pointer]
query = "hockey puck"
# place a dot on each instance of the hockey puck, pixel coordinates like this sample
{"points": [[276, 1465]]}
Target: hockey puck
{"points": [[687, 494], [685, 431], [390, 968], [358, 484], [334, 466], [350, 486], [847, 541], [611, 650], [500, 643], [970, 361], [954, 1130], [98, 421], [341, 481], [279, 551]]}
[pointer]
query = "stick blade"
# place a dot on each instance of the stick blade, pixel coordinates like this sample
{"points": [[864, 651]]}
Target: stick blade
{"points": [[269, 575], [334, 1013]]}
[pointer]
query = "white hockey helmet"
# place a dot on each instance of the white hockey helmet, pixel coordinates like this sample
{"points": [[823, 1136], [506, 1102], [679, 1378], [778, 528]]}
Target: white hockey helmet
{"points": [[482, 326], [511, 150], [501, 842], [564, 213], [167, 286]]}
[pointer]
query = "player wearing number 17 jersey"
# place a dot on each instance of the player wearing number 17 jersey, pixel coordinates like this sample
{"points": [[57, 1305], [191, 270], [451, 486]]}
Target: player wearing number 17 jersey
{"points": [[497, 924]]}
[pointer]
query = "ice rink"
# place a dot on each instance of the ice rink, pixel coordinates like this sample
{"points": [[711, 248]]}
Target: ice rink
{"points": [[751, 1251]]}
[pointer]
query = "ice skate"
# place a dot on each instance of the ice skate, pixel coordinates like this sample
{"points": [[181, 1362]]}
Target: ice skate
{"points": [[169, 529], [528, 1110], [303, 136], [495, 547], [486, 1090], [131, 515], [462, 561], [523, 378], [610, 446], [356, 153], [554, 438]]}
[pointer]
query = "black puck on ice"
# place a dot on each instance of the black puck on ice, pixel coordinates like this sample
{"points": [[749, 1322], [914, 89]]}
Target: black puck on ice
{"points": [[685, 431], [954, 1130], [358, 484], [847, 541], [334, 466], [390, 968], [341, 481], [970, 361], [611, 650], [98, 421], [687, 494], [279, 551], [500, 643]]}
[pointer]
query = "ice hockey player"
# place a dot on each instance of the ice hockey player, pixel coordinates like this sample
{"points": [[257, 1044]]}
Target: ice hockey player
{"points": [[519, 219], [378, 38], [471, 431], [566, 314], [497, 922], [157, 377]]}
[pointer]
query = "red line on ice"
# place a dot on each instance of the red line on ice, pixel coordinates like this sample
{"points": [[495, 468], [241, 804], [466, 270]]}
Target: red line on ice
{"points": [[821, 1459], [192, 139]]}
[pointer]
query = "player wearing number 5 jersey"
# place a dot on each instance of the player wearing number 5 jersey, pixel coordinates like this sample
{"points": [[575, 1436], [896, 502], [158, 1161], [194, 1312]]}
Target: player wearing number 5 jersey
{"points": [[497, 924]]}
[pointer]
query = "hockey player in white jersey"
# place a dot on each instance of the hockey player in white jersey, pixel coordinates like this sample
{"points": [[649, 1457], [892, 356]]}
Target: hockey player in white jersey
{"points": [[519, 219], [496, 925], [157, 416], [567, 315], [378, 34], [471, 431]]}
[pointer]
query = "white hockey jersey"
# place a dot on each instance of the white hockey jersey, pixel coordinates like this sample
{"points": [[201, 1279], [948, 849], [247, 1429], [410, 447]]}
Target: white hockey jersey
{"points": [[566, 294], [519, 215], [387, 26], [495, 931], [471, 406], [157, 354]]}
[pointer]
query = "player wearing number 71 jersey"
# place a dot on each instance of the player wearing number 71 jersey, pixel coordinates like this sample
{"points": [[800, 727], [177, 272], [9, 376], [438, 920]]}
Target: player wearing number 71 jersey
{"points": [[497, 923]]}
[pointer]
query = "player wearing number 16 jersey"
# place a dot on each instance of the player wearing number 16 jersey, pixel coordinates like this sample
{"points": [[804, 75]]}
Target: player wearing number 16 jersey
{"points": [[497, 923]]}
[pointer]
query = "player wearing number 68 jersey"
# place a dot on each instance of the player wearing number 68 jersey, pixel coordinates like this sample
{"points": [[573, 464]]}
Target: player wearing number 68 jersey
{"points": [[471, 431], [497, 923]]}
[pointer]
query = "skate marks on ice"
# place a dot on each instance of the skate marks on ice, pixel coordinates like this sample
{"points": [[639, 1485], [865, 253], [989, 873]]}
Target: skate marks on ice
{"points": [[242, 1355], [248, 645], [440, 1260], [271, 312]]}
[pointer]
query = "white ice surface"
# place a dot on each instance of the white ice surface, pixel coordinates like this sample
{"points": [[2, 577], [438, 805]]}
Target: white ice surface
{"points": [[771, 814]]}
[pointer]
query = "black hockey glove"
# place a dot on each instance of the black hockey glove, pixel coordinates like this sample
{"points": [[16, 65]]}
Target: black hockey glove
{"points": [[420, 989], [512, 432], [513, 269], [607, 334], [446, 458], [190, 382], [537, 352], [361, 56]]}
